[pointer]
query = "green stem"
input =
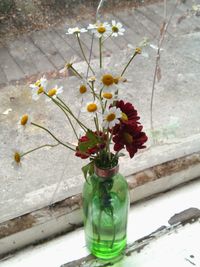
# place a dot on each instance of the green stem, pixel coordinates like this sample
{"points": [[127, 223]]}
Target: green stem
{"points": [[96, 121], [109, 141], [82, 51], [107, 38], [63, 109], [93, 92], [76, 72], [37, 148], [99, 226], [114, 231], [100, 52], [45, 129], [129, 62], [71, 113], [100, 99]]}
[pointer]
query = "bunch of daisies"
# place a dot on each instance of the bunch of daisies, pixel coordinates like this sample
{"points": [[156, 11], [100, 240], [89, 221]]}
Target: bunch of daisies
{"points": [[116, 123]]}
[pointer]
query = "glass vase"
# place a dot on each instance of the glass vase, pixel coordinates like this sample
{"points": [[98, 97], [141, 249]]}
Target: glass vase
{"points": [[105, 209]]}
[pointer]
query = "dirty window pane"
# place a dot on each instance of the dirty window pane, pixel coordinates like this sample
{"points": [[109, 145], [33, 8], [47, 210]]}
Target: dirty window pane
{"points": [[34, 43]]}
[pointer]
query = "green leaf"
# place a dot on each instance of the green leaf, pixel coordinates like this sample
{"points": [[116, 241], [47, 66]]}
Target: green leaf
{"points": [[92, 137], [92, 142], [83, 146], [88, 169]]}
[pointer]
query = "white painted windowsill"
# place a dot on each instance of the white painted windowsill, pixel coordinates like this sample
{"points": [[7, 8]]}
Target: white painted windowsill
{"points": [[144, 218]]}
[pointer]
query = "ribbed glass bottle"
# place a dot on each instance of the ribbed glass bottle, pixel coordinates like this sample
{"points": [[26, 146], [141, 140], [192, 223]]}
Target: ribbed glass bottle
{"points": [[105, 208]]}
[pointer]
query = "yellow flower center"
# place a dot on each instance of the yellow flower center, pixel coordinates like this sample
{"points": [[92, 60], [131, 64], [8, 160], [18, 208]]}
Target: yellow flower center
{"points": [[101, 29], [38, 83], [138, 50], [83, 89], [124, 117], [91, 107], [108, 95], [24, 119], [111, 117], [40, 90], [128, 138], [107, 79], [115, 29], [116, 80], [68, 65], [52, 92], [17, 157]]}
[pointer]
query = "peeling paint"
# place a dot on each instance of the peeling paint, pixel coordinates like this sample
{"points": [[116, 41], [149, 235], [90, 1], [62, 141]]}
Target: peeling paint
{"points": [[186, 216], [74, 202], [17, 225], [176, 165], [141, 243], [162, 170]]}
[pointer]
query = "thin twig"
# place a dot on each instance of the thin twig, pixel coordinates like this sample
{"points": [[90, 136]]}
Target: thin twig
{"points": [[90, 55], [98, 8], [163, 30]]}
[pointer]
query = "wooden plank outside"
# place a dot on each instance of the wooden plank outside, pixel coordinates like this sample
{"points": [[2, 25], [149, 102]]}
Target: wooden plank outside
{"points": [[64, 49], [71, 41], [157, 19], [43, 43], [39, 59], [152, 29], [19, 52], [3, 79], [177, 25], [133, 35], [12, 71]]}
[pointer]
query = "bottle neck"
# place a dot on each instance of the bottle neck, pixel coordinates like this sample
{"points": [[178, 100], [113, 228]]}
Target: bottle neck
{"points": [[106, 173]]}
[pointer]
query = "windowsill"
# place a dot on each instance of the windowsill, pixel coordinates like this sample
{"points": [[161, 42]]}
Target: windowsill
{"points": [[65, 215], [169, 227]]}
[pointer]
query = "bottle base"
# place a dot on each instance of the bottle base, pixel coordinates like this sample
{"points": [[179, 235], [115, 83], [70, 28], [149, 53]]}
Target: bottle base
{"points": [[105, 250]]}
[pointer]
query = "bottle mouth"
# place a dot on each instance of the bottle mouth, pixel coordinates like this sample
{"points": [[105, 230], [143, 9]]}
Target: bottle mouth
{"points": [[106, 173]]}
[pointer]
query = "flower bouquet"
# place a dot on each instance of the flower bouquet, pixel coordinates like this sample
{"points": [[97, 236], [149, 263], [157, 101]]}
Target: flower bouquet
{"points": [[115, 127]]}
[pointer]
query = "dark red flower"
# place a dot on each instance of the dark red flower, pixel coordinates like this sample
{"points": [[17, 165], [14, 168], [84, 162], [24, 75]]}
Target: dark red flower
{"points": [[129, 113], [81, 155], [91, 149], [131, 137]]}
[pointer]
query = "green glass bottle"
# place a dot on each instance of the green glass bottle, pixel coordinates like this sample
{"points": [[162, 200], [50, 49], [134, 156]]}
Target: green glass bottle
{"points": [[105, 209]]}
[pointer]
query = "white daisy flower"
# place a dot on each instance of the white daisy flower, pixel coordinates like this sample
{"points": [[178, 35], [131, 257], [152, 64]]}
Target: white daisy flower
{"points": [[83, 90], [108, 80], [132, 49], [17, 157], [109, 97], [68, 65], [38, 88], [23, 122], [117, 28], [76, 30], [91, 108], [111, 117], [54, 92], [100, 29]]}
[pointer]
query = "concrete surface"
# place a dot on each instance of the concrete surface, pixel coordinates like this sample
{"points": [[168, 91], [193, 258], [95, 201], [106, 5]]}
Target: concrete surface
{"points": [[50, 175]]}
